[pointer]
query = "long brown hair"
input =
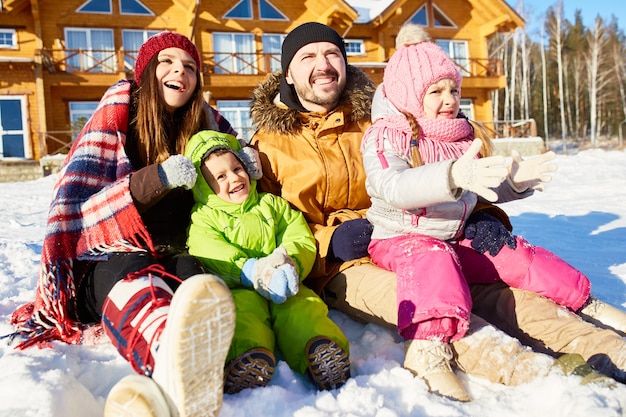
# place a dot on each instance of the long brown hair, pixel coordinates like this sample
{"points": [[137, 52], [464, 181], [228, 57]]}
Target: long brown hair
{"points": [[479, 132], [159, 133]]}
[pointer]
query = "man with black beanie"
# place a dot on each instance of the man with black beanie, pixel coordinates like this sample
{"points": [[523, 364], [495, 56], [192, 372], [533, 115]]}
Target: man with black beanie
{"points": [[312, 35]]}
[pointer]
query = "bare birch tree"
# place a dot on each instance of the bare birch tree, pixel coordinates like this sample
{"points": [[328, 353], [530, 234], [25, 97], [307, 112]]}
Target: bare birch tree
{"points": [[618, 54], [544, 85], [554, 28], [597, 76]]}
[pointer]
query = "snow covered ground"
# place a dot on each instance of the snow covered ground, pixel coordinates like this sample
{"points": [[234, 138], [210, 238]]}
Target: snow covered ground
{"points": [[581, 216]]}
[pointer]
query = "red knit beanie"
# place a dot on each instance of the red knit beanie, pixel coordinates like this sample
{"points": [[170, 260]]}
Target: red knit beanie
{"points": [[417, 64], [159, 42]]}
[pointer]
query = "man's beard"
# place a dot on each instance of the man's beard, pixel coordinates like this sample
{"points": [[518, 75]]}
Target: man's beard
{"points": [[309, 95]]}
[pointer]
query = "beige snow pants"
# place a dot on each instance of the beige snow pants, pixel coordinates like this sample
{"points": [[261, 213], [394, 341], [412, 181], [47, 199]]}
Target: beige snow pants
{"points": [[368, 293]]}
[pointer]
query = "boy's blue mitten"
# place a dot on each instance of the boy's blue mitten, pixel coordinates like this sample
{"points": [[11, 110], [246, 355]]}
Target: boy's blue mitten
{"points": [[488, 234], [274, 277]]}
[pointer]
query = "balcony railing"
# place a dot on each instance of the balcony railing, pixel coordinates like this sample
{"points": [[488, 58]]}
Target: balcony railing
{"points": [[215, 63], [510, 128]]}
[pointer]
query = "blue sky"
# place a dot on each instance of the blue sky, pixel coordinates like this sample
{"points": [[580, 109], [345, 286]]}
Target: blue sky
{"points": [[536, 10]]}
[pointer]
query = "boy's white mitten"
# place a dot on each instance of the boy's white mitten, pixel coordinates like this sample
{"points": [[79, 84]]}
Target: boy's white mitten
{"points": [[178, 171], [530, 173], [478, 175]]}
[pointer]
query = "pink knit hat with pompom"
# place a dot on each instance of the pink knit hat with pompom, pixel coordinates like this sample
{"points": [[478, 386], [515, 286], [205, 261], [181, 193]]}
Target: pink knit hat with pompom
{"points": [[156, 43], [417, 64]]}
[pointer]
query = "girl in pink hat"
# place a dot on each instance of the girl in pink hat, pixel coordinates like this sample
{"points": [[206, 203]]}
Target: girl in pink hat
{"points": [[431, 184]]}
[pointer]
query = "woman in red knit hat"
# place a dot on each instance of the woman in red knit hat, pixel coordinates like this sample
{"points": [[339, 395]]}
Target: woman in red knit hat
{"points": [[114, 260]]}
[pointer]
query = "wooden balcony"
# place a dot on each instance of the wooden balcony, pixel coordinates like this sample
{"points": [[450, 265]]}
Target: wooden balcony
{"points": [[226, 69]]}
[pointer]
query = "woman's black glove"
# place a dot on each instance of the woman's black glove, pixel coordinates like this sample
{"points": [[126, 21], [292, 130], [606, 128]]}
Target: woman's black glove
{"points": [[488, 234], [350, 240]]}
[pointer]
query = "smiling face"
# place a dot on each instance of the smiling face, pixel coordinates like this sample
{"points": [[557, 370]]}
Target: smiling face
{"points": [[442, 100], [176, 72], [318, 74], [226, 177]]}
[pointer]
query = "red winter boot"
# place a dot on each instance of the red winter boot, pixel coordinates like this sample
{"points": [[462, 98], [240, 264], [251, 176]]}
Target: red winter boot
{"points": [[180, 339]]}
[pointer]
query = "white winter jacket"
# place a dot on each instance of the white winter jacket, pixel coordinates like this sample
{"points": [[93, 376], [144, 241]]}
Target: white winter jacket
{"points": [[415, 200]]}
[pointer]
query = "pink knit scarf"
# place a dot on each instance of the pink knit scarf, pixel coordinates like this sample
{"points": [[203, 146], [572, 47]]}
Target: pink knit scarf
{"points": [[439, 139]]}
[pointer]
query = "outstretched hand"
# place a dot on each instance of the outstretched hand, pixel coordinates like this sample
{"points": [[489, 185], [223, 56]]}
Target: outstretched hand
{"points": [[478, 175], [531, 173]]}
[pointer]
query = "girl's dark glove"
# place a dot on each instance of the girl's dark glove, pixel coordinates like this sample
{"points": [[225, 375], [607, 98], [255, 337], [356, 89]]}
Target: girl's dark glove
{"points": [[488, 234], [350, 240]]}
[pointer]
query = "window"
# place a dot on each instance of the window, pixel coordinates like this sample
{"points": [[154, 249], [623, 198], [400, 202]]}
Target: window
{"points": [[90, 50], [441, 20], [14, 141], [242, 58], [8, 39], [467, 107], [272, 44], [134, 7], [80, 113], [95, 6], [269, 12], [238, 114], [355, 47], [241, 10], [132, 41], [457, 50], [420, 17], [104, 6]]}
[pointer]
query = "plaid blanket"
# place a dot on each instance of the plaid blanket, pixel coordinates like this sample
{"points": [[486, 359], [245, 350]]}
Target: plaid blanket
{"points": [[91, 214]]}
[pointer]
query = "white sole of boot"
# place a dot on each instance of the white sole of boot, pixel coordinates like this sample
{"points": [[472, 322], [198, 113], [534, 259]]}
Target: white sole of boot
{"points": [[197, 337], [136, 396]]}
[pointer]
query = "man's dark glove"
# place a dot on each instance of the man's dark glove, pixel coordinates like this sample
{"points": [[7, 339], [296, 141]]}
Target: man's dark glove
{"points": [[488, 234], [350, 240]]}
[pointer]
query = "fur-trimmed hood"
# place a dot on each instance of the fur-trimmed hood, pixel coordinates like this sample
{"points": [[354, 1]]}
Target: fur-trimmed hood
{"points": [[266, 109]]}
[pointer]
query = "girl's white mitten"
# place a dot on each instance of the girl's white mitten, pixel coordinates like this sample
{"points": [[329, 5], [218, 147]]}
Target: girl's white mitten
{"points": [[530, 173], [478, 175], [178, 171]]}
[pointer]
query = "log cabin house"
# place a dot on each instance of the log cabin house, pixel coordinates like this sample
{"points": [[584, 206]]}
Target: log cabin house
{"points": [[58, 57]]}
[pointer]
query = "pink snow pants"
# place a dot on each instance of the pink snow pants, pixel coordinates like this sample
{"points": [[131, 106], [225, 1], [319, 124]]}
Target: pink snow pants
{"points": [[433, 296]]}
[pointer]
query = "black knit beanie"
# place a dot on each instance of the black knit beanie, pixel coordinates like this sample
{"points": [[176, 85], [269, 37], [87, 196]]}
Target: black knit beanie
{"points": [[304, 34]]}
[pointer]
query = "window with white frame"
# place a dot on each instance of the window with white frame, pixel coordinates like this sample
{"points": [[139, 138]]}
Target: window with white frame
{"points": [[132, 41], [90, 50], [268, 11], [134, 7], [234, 53], [467, 107], [272, 44], [458, 51], [8, 39], [95, 6], [14, 136], [80, 113], [104, 6], [355, 47], [243, 10], [420, 17], [237, 112]]}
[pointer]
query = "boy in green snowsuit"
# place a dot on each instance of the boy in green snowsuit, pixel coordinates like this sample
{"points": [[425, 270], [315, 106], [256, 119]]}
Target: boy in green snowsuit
{"points": [[262, 248]]}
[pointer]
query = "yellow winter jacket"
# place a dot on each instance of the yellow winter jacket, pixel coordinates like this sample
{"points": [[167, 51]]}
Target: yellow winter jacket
{"points": [[313, 160]]}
